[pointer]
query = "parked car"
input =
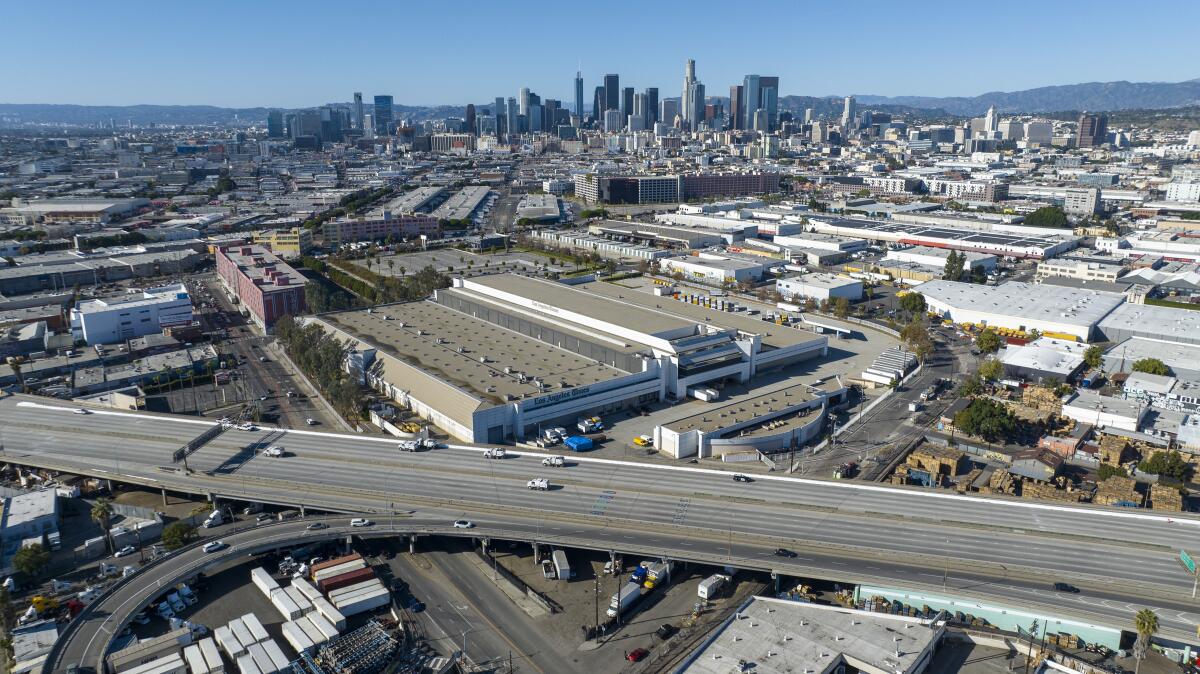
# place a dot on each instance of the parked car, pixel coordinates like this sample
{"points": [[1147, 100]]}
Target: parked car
{"points": [[636, 654], [127, 550]]}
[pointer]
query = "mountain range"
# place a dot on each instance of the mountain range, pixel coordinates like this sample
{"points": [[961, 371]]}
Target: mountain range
{"points": [[1092, 96]]}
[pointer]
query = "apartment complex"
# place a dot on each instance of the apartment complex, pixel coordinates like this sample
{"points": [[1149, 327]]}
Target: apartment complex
{"points": [[265, 286]]}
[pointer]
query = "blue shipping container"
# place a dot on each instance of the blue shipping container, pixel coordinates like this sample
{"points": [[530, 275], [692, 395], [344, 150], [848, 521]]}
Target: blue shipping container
{"points": [[578, 443]]}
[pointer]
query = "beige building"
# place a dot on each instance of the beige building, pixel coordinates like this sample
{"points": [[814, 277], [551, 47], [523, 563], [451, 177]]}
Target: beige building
{"points": [[1079, 269], [292, 242]]}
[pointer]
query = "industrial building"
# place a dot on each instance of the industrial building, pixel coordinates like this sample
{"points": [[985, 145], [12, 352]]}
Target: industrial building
{"points": [[780, 636], [1082, 270], [819, 286], [399, 226], [647, 189], [265, 287], [816, 241], [665, 236], [1151, 322], [462, 204], [75, 211], [539, 208], [112, 320], [1052, 310], [287, 243], [1044, 358], [990, 242], [59, 272], [716, 269], [935, 258], [608, 249], [495, 357]]}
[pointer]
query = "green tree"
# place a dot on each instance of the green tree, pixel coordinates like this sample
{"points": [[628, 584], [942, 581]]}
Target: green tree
{"points": [[1047, 216], [987, 419], [953, 270], [1167, 464], [177, 534], [991, 369], [841, 307], [102, 512], [913, 303], [31, 560], [916, 338], [1093, 357], [1152, 366], [978, 276], [1106, 471], [970, 386], [988, 341], [1145, 623]]}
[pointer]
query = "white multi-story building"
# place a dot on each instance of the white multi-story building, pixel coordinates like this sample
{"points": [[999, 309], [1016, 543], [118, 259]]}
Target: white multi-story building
{"points": [[1079, 269], [1187, 192], [108, 321]]}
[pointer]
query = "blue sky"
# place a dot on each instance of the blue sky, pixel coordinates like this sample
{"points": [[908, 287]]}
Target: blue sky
{"points": [[306, 52]]}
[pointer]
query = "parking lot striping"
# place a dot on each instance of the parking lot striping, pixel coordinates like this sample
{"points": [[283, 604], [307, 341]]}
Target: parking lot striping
{"points": [[839, 484]]}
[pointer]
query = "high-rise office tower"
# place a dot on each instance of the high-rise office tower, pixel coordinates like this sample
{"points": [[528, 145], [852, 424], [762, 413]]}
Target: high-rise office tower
{"points": [[848, 110], [383, 115], [550, 108], [1092, 130], [358, 111], [639, 109], [579, 97], [275, 124], [533, 117], [612, 92], [598, 106], [991, 121], [514, 121], [668, 111], [523, 101], [369, 125], [501, 124], [627, 101], [737, 110], [752, 94], [469, 120], [692, 101], [612, 120], [768, 99], [651, 106], [808, 115]]}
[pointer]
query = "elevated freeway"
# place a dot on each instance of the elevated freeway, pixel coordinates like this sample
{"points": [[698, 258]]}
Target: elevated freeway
{"points": [[1003, 549]]}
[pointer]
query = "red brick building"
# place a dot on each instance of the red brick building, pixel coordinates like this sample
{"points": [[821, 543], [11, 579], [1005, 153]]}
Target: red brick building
{"points": [[266, 287]]}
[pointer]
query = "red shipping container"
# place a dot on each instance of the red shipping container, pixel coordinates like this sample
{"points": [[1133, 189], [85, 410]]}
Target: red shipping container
{"points": [[346, 579], [334, 562]]}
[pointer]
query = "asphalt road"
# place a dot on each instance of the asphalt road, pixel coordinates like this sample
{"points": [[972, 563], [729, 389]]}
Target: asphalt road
{"points": [[840, 529]]}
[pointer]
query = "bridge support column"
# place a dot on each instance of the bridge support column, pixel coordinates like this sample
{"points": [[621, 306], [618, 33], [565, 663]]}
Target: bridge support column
{"points": [[535, 554], [775, 577], [164, 495], [302, 512], [412, 544]]}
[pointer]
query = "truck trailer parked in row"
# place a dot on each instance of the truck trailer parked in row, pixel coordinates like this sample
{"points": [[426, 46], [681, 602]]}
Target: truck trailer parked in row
{"points": [[625, 598]]}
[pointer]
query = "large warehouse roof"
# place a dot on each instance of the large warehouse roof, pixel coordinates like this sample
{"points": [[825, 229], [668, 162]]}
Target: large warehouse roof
{"points": [[1033, 302], [449, 345], [1145, 320]]}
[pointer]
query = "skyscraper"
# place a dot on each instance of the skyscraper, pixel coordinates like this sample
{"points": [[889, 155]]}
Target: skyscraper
{"points": [[651, 106], [579, 97], [383, 115], [627, 101], [469, 122], [752, 93], [514, 120], [598, 105], [1092, 130], [808, 115], [668, 111], [768, 99], [523, 101], [639, 109], [501, 119], [275, 124], [737, 110], [990, 121], [692, 101], [612, 92], [358, 111], [848, 110]]}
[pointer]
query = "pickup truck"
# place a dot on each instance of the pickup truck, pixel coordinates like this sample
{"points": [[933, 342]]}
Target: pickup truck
{"points": [[494, 453]]}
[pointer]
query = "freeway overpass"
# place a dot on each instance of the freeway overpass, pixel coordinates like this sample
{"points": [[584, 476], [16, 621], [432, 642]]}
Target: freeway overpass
{"points": [[1000, 549]]}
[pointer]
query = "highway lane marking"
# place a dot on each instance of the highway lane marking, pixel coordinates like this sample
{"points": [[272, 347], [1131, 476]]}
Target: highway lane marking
{"points": [[860, 487]]}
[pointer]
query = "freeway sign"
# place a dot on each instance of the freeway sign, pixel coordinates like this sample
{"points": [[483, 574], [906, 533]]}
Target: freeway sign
{"points": [[1187, 561]]}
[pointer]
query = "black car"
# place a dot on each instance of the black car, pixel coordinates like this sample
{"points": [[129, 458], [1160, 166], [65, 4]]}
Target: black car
{"points": [[416, 606], [665, 631], [738, 477], [1065, 587], [784, 552]]}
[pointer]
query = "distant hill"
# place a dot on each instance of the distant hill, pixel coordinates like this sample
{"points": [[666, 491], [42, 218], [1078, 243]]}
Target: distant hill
{"points": [[1093, 96]]}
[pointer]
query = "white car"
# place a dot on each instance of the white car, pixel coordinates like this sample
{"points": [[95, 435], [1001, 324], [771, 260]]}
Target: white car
{"points": [[538, 484], [80, 410], [494, 453], [125, 551], [464, 524], [360, 522], [310, 421], [273, 451], [214, 546], [246, 426]]}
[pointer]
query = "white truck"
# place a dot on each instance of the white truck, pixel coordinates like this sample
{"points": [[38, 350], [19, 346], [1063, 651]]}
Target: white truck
{"points": [[710, 587], [215, 519], [494, 453], [562, 568], [624, 599], [274, 451], [589, 424], [538, 484], [553, 461], [416, 445]]}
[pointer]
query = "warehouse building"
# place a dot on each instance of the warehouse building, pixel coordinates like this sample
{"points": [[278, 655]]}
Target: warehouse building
{"points": [[817, 241], [935, 258], [1013, 245], [606, 248], [819, 287], [266, 288], [109, 320], [1052, 310], [1044, 358], [1151, 322], [494, 357], [717, 269], [665, 236]]}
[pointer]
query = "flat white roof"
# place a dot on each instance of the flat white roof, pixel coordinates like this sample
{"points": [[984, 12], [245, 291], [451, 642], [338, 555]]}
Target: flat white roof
{"points": [[1034, 302], [1047, 355]]}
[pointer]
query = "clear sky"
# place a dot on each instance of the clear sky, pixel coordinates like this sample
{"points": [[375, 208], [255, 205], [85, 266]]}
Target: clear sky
{"points": [[308, 52]]}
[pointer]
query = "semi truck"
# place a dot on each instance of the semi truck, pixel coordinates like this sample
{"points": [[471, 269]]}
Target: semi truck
{"points": [[561, 566], [658, 573], [639, 574], [624, 599]]}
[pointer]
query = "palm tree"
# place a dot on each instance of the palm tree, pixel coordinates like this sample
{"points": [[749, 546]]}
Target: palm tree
{"points": [[14, 362], [102, 511], [1146, 624]]}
